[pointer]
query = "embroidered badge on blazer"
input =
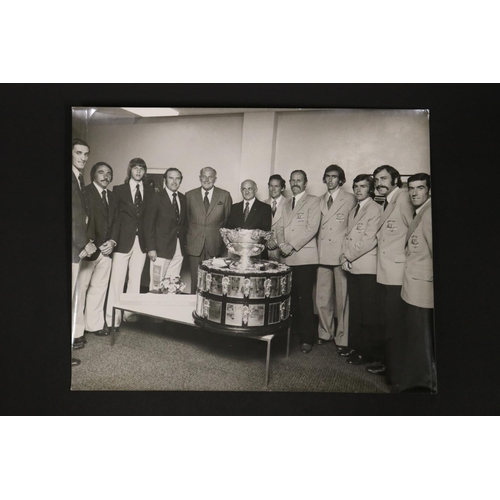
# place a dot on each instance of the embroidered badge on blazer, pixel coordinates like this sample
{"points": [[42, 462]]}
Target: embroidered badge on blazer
{"points": [[414, 241], [301, 216], [360, 227], [340, 218], [391, 226]]}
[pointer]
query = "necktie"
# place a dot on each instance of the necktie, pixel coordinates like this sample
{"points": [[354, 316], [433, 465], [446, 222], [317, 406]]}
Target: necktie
{"points": [[293, 203], [273, 210], [414, 214], [104, 199], [245, 213], [206, 202], [82, 185], [176, 208], [385, 203], [138, 197], [329, 203], [356, 211]]}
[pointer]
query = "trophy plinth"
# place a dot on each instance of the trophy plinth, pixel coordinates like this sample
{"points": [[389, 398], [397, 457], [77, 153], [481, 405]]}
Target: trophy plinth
{"points": [[246, 243]]}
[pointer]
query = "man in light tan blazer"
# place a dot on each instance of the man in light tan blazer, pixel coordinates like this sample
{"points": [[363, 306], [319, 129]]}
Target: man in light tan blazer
{"points": [[296, 237], [391, 258], [418, 369], [208, 209], [331, 283], [276, 186], [359, 259]]}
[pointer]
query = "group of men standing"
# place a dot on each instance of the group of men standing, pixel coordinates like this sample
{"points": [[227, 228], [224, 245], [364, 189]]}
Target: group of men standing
{"points": [[364, 268]]}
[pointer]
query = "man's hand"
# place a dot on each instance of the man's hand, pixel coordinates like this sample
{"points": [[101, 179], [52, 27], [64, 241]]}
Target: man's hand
{"points": [[90, 248], [107, 247], [286, 249], [347, 266], [272, 244], [152, 255]]}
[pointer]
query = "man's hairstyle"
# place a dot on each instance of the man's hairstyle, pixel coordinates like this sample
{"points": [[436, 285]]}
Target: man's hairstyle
{"points": [[136, 162], [81, 142], [211, 168], [300, 172], [395, 175], [277, 177], [420, 177], [171, 169], [96, 166], [365, 177], [339, 170]]}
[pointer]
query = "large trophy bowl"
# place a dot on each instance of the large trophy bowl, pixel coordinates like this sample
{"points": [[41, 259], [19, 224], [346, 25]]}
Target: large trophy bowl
{"points": [[246, 243]]}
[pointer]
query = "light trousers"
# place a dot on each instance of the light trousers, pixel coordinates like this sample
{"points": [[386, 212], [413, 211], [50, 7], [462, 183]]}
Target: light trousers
{"points": [[134, 262], [165, 267]]}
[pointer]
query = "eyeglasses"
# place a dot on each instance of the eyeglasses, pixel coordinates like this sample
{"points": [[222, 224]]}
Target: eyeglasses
{"points": [[207, 177]]}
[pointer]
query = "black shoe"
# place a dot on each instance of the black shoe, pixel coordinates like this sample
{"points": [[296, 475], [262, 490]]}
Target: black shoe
{"points": [[306, 348], [320, 341], [78, 345], [356, 359], [80, 340], [347, 352], [342, 348], [376, 369], [75, 362], [102, 333]]}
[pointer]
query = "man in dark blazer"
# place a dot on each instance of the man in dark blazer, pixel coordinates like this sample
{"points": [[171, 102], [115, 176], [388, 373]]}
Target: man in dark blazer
{"points": [[81, 245], [418, 369], [394, 222], [95, 269], [165, 229], [208, 209], [250, 213], [296, 238], [127, 231]]}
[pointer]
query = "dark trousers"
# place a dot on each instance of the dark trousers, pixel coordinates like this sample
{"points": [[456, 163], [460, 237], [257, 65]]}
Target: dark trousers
{"points": [[194, 260], [364, 316], [418, 371], [392, 308], [302, 307]]}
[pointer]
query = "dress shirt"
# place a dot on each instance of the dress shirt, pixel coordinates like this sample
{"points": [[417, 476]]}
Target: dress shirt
{"points": [[210, 194], [133, 185], [250, 204], [298, 197], [391, 194], [170, 195], [100, 190], [77, 174], [334, 195], [422, 206]]}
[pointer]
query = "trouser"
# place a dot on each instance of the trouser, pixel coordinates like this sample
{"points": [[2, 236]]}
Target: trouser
{"points": [[331, 301], [162, 267], [418, 369], [134, 262], [364, 317], [91, 291], [392, 309], [194, 261], [302, 306], [75, 269]]}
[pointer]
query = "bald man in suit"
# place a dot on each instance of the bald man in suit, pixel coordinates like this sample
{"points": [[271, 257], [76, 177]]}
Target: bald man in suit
{"points": [[276, 200], [418, 369], [208, 209], [331, 283]]}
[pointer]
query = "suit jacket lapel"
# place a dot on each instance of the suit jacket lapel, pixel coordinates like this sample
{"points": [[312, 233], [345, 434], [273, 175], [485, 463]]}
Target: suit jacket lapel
{"points": [[390, 208], [215, 200], [416, 221], [336, 206], [253, 212], [361, 212]]}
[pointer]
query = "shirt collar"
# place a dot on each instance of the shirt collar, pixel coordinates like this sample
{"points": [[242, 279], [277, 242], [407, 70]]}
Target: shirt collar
{"points": [[171, 193], [99, 188], [250, 203], [210, 192], [361, 203], [335, 193], [422, 206], [299, 196], [76, 171], [391, 194]]}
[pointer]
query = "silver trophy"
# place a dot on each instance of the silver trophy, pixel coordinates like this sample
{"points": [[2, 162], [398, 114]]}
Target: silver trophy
{"points": [[246, 243]]}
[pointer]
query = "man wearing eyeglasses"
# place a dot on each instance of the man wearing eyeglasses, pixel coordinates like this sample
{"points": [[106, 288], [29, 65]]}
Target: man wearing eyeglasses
{"points": [[208, 210]]}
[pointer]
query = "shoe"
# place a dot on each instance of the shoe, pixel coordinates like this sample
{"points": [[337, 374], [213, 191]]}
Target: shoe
{"points": [[347, 352], [102, 333], [356, 359], [376, 369], [75, 362], [80, 340], [342, 348], [306, 348], [78, 345], [320, 341]]}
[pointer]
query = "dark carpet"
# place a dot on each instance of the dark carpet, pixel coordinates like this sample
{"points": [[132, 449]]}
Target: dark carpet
{"points": [[169, 357]]}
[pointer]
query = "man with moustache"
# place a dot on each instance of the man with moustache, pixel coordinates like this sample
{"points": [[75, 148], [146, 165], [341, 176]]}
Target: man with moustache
{"points": [[208, 210], [331, 283], [359, 260], [95, 269], [418, 368], [276, 200], [166, 229], [132, 198], [81, 244], [296, 237], [391, 257]]}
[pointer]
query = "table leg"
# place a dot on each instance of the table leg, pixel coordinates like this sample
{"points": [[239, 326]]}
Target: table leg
{"points": [[267, 360], [288, 341], [113, 327]]}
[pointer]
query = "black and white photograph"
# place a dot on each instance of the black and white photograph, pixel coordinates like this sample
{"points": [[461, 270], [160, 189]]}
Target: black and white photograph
{"points": [[331, 208]]}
